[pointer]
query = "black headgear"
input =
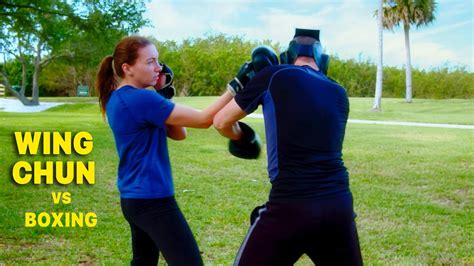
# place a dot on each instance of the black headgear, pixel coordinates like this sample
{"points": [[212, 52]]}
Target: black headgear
{"points": [[314, 50]]}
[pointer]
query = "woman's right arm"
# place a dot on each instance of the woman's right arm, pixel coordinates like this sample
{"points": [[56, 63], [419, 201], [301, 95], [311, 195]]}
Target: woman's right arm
{"points": [[188, 117]]}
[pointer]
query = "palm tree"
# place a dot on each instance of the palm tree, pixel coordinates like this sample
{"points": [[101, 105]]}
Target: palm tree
{"points": [[408, 12], [378, 86]]}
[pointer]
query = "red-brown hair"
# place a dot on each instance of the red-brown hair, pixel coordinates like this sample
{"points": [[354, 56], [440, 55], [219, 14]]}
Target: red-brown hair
{"points": [[126, 51]]}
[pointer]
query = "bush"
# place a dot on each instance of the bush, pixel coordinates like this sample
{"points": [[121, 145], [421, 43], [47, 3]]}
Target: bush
{"points": [[203, 66], [440, 83]]}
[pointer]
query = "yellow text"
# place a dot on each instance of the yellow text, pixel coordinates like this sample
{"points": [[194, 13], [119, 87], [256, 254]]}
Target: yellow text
{"points": [[29, 142], [60, 219], [73, 172]]}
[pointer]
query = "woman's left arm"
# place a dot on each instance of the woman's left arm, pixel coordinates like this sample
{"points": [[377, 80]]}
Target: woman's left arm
{"points": [[176, 132]]}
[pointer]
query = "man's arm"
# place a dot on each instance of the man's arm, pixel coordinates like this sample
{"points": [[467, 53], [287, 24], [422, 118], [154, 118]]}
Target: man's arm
{"points": [[244, 143], [226, 119]]}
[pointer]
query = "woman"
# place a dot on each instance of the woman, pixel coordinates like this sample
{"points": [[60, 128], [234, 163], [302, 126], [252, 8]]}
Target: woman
{"points": [[141, 120]]}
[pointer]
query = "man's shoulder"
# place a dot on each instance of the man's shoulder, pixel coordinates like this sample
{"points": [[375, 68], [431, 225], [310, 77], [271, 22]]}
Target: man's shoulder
{"points": [[269, 72], [277, 68], [335, 83]]}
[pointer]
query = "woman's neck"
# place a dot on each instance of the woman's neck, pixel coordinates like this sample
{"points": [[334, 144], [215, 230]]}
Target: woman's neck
{"points": [[128, 82]]}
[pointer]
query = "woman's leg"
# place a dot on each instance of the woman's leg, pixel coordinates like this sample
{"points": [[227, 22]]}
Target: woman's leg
{"points": [[163, 222], [144, 249]]}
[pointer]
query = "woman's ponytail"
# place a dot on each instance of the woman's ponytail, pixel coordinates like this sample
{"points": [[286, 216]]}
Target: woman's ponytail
{"points": [[106, 82]]}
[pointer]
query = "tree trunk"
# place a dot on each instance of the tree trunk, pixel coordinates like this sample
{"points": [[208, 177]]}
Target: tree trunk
{"points": [[20, 96], [34, 88], [36, 73], [22, 59], [23, 76], [379, 81], [408, 94]]}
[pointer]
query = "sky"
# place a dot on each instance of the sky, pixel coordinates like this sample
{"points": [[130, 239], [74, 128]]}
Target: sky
{"points": [[348, 27]]}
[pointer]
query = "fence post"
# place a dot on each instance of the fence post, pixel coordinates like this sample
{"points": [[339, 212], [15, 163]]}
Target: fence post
{"points": [[2, 90]]}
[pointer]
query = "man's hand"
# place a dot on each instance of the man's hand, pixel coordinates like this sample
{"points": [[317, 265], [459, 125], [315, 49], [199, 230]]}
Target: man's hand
{"points": [[248, 146], [263, 56], [244, 75]]}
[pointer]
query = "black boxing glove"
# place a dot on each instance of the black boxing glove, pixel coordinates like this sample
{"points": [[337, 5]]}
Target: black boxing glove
{"points": [[166, 88], [263, 56], [247, 147], [244, 75]]}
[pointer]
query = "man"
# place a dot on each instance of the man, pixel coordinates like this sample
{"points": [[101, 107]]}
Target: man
{"points": [[310, 209]]}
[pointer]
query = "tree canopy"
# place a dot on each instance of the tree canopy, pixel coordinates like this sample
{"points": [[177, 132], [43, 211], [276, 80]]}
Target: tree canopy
{"points": [[38, 32], [408, 12]]}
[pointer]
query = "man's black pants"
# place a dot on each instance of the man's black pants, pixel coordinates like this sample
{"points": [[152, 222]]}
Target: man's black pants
{"points": [[324, 229]]}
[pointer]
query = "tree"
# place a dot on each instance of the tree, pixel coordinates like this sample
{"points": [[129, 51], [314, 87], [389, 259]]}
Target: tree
{"points": [[379, 80], [28, 30], [106, 25], [38, 32], [408, 12]]}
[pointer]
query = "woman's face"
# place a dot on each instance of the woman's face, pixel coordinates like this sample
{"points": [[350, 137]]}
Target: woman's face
{"points": [[146, 70]]}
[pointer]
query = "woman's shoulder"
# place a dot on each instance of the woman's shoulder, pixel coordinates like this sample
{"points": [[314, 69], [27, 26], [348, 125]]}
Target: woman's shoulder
{"points": [[131, 92]]}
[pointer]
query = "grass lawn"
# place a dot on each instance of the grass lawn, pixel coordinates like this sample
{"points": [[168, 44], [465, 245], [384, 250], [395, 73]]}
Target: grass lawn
{"points": [[413, 188], [450, 111]]}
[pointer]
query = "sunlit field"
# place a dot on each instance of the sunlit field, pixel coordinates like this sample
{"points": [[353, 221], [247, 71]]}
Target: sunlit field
{"points": [[412, 186]]}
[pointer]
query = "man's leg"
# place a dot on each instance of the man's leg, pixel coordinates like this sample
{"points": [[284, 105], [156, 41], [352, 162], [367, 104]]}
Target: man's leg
{"points": [[337, 242], [269, 240]]}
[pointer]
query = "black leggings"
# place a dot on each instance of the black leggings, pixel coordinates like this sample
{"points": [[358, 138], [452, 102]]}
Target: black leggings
{"points": [[158, 225], [324, 229]]}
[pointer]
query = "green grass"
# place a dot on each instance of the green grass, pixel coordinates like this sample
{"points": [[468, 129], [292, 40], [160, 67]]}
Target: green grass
{"points": [[69, 99], [451, 111], [413, 188]]}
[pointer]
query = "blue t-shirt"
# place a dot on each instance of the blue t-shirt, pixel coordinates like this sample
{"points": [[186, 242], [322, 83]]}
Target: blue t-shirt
{"points": [[305, 119], [137, 118]]}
